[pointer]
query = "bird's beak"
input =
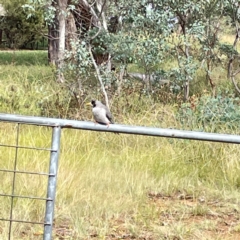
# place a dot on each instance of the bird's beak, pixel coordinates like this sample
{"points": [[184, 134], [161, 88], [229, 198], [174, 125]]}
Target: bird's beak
{"points": [[89, 104]]}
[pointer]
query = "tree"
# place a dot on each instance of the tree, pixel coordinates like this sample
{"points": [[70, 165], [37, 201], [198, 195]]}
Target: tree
{"points": [[85, 34], [232, 9], [20, 28]]}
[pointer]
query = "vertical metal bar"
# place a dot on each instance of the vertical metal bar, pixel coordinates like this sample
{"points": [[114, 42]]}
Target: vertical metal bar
{"points": [[52, 183], [13, 184]]}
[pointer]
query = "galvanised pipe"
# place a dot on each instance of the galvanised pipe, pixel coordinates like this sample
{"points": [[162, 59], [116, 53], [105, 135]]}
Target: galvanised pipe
{"points": [[138, 130]]}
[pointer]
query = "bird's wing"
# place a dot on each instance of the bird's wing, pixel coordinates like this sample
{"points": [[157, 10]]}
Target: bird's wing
{"points": [[109, 115]]}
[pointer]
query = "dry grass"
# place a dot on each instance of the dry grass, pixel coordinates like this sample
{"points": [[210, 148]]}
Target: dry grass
{"points": [[227, 38], [122, 186]]}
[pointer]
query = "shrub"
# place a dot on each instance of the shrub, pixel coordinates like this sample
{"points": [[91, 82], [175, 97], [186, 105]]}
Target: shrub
{"points": [[210, 112]]}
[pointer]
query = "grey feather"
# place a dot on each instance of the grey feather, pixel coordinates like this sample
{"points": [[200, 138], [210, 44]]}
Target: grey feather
{"points": [[101, 113]]}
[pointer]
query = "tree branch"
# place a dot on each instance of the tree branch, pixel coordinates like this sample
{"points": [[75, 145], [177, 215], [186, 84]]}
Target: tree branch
{"points": [[99, 76], [235, 84]]}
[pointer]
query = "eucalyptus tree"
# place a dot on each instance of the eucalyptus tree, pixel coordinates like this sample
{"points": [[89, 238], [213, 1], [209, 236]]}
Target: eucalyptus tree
{"points": [[232, 10], [197, 43], [148, 33]]}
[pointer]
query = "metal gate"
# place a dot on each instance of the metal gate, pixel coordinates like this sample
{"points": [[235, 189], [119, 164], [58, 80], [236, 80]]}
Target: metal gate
{"points": [[56, 125], [49, 199]]}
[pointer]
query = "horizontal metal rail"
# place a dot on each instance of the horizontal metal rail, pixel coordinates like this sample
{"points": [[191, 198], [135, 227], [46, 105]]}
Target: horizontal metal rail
{"points": [[26, 172], [138, 130], [29, 197], [23, 221], [26, 147]]}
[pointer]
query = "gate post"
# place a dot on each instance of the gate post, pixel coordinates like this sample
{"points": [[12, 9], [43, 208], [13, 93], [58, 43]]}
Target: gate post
{"points": [[52, 183]]}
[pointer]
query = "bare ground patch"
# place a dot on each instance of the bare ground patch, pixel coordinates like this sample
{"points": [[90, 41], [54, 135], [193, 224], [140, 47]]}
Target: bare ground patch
{"points": [[173, 217]]}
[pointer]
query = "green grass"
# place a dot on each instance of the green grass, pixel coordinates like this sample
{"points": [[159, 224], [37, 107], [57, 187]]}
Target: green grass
{"points": [[27, 86], [113, 186], [27, 58]]}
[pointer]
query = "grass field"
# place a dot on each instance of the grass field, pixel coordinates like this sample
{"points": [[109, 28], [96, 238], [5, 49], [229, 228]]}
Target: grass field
{"points": [[116, 186]]}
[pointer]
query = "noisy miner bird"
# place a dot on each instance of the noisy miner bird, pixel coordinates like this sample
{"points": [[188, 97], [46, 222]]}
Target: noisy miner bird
{"points": [[101, 113]]}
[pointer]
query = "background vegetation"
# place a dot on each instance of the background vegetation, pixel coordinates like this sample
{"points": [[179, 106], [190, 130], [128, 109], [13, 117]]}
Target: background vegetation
{"points": [[121, 186]]}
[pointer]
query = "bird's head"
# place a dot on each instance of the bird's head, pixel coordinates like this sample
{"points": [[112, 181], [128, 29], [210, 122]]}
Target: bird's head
{"points": [[92, 103]]}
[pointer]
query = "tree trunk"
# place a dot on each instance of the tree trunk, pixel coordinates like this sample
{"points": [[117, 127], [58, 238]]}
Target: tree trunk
{"points": [[62, 4], [71, 33], [1, 36], [53, 36], [53, 44], [56, 37]]}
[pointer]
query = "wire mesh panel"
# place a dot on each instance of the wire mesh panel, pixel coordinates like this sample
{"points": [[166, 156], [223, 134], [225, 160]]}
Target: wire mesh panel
{"points": [[28, 173]]}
